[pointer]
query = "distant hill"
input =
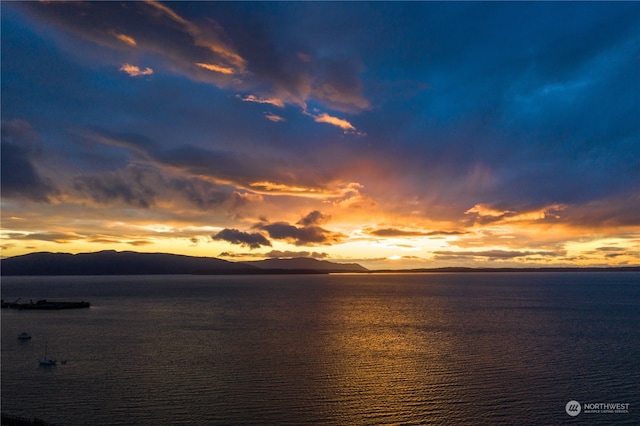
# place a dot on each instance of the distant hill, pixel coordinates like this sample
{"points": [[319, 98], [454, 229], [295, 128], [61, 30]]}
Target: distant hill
{"points": [[133, 263], [115, 263], [110, 262], [307, 263], [458, 270]]}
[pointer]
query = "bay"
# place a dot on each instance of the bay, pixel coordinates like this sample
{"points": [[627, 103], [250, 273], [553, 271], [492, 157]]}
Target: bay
{"points": [[361, 349]]}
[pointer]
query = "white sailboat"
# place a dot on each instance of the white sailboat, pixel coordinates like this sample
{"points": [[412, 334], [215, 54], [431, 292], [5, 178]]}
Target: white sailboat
{"points": [[45, 360]]}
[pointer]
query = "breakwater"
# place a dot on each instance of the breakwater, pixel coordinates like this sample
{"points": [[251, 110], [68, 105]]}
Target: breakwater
{"points": [[10, 420]]}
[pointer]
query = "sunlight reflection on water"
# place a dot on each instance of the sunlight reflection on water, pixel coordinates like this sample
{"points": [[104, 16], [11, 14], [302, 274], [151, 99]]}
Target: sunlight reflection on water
{"points": [[334, 349]]}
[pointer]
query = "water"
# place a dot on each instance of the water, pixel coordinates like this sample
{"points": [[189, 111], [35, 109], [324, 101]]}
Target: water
{"points": [[509, 348]]}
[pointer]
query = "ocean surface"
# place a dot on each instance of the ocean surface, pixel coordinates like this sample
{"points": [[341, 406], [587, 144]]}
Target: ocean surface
{"points": [[392, 349]]}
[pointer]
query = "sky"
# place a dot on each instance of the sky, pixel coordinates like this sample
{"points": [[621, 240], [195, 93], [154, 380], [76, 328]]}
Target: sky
{"points": [[394, 135]]}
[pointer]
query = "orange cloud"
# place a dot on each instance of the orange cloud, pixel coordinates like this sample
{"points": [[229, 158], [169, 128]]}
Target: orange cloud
{"points": [[271, 101], [284, 189], [485, 210], [216, 68], [273, 117], [125, 38], [334, 121], [488, 213], [400, 233], [135, 71], [203, 37], [167, 11]]}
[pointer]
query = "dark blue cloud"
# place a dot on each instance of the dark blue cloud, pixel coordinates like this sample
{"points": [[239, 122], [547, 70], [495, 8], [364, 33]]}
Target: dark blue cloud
{"points": [[517, 105], [304, 235], [129, 186], [20, 176], [234, 236], [308, 233]]}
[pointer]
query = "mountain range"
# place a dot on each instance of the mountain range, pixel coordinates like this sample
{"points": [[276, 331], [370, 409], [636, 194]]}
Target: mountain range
{"points": [[111, 262]]}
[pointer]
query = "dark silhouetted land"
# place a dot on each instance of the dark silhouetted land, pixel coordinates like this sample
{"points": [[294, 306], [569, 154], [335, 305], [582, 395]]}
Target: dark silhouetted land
{"points": [[133, 263]]}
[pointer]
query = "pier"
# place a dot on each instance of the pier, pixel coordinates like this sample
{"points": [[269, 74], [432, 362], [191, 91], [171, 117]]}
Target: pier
{"points": [[10, 420]]}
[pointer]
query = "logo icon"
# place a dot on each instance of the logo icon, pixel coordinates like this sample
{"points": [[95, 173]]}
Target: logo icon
{"points": [[573, 408]]}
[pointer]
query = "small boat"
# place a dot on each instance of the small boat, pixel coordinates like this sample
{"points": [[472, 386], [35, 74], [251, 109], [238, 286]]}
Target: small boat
{"points": [[24, 336], [45, 360]]}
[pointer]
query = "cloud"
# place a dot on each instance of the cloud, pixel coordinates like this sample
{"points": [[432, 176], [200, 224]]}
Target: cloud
{"points": [[616, 211], [205, 36], [135, 71], [134, 142], [394, 232], [277, 254], [216, 68], [225, 166], [610, 249], [491, 254], [215, 51], [139, 243], [275, 188], [203, 194], [444, 233], [273, 117], [168, 12], [536, 150], [110, 240], [126, 39], [260, 174], [153, 28], [314, 218], [308, 234], [337, 84], [146, 186], [351, 197], [56, 237], [130, 186], [323, 117], [238, 200], [334, 121], [232, 254], [234, 236], [486, 214], [485, 210], [20, 176], [271, 101]]}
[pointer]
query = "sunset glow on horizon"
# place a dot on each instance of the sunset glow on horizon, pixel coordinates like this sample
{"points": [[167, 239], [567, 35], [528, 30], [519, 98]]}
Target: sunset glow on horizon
{"points": [[394, 135]]}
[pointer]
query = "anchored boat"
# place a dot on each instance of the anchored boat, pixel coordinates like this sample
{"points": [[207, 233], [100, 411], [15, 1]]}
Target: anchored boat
{"points": [[45, 360]]}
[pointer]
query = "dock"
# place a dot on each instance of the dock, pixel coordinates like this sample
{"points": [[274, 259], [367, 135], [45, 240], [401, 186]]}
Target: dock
{"points": [[10, 420], [45, 305]]}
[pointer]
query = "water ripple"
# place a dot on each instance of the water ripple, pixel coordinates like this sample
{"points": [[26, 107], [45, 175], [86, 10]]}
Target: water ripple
{"points": [[357, 350]]}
